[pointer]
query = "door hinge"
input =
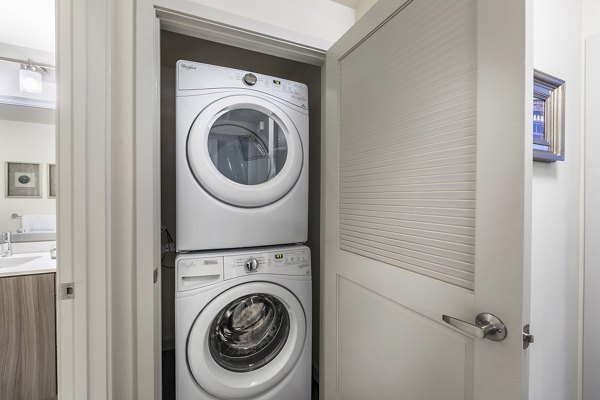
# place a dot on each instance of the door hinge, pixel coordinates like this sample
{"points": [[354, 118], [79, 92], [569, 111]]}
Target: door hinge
{"points": [[527, 337], [67, 291], [155, 275]]}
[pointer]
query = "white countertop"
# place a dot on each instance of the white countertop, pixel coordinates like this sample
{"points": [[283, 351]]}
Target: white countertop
{"points": [[27, 264]]}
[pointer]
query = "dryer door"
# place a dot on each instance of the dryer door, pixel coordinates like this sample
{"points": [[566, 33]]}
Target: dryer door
{"points": [[245, 151], [246, 340]]}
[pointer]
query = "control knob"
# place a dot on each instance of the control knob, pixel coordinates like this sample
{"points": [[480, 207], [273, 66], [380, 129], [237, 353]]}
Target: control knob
{"points": [[250, 79], [251, 265]]}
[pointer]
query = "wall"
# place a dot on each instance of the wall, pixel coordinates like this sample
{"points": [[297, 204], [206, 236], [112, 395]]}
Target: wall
{"points": [[26, 142], [324, 19], [591, 17], [556, 214], [363, 6]]}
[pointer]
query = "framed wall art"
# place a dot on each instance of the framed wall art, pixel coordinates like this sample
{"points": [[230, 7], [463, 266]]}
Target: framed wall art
{"points": [[548, 117], [52, 181], [23, 180]]}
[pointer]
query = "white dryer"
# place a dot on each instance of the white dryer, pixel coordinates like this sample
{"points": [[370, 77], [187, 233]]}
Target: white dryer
{"points": [[243, 325], [242, 159]]}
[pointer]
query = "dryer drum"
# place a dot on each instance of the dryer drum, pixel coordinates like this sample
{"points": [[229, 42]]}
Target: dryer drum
{"points": [[247, 146], [249, 332]]}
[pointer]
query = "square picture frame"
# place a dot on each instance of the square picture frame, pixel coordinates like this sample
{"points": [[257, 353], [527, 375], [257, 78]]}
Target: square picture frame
{"points": [[548, 117], [52, 181], [23, 180]]}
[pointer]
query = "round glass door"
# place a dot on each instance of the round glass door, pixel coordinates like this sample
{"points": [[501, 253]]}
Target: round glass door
{"points": [[247, 146], [245, 151], [249, 332], [246, 340]]}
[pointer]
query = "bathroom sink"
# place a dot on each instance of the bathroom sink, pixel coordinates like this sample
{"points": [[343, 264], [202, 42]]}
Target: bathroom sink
{"points": [[27, 264], [17, 260]]}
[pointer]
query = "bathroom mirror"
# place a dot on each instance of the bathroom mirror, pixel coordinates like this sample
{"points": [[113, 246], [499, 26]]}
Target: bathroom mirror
{"points": [[27, 149], [27, 124]]}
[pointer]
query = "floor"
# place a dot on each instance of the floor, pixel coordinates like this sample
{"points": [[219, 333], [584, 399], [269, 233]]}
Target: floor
{"points": [[168, 377]]}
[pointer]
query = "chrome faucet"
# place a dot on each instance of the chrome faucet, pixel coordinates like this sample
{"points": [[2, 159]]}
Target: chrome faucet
{"points": [[5, 244]]}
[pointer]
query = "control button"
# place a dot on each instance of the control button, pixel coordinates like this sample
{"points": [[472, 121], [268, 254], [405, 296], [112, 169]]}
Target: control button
{"points": [[250, 79], [251, 265]]}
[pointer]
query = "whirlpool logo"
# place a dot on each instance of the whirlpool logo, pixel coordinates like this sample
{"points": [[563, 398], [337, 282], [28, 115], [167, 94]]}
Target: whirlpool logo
{"points": [[187, 66]]}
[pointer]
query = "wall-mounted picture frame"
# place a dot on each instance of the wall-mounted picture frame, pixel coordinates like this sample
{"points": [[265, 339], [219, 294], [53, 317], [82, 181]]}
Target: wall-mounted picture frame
{"points": [[51, 181], [23, 180], [548, 117]]}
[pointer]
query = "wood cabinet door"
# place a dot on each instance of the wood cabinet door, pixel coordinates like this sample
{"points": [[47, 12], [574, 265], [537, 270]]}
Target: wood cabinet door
{"points": [[27, 337]]}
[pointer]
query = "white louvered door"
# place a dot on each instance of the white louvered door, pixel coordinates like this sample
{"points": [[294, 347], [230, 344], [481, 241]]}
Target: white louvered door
{"points": [[427, 201]]}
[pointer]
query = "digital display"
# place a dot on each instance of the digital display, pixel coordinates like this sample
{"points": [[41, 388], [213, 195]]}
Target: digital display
{"points": [[275, 81], [278, 256]]}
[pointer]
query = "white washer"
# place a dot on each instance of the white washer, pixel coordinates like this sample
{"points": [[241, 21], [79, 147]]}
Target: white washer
{"points": [[242, 159], [243, 324]]}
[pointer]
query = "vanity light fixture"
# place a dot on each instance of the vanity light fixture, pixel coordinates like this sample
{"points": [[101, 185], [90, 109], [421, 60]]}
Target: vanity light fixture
{"points": [[30, 79]]}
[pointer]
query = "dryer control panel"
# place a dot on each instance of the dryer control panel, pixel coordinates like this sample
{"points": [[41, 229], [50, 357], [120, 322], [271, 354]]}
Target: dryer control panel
{"points": [[293, 261], [197, 76]]}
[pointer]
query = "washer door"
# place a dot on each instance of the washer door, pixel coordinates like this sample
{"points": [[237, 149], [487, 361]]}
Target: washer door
{"points": [[245, 151], [246, 340]]}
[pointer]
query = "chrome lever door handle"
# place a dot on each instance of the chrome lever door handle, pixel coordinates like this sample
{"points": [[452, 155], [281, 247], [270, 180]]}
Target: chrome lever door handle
{"points": [[487, 326]]}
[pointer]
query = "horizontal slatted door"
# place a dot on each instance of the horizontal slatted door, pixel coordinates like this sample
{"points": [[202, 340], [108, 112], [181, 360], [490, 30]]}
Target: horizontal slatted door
{"points": [[424, 216], [407, 167]]}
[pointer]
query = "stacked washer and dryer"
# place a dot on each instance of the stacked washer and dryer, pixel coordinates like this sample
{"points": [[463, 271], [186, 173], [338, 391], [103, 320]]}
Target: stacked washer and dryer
{"points": [[243, 278]]}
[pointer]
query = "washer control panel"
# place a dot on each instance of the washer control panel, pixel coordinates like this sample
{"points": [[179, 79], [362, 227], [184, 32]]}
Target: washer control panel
{"points": [[251, 264], [293, 261]]}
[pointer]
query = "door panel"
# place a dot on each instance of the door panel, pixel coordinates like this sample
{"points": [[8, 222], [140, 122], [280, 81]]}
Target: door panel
{"points": [[427, 200], [429, 52], [396, 334]]}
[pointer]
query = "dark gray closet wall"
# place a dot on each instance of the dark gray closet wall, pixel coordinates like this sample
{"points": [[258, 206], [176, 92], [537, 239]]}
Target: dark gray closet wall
{"points": [[176, 47]]}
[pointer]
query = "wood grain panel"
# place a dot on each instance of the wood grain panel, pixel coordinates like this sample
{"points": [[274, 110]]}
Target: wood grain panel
{"points": [[27, 337], [407, 169]]}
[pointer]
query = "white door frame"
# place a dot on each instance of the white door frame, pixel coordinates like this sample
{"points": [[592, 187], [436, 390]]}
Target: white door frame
{"points": [[86, 123], [591, 288], [83, 206], [196, 20]]}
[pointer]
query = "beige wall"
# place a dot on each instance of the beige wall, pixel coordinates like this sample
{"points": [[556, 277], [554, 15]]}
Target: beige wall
{"points": [[323, 19], [25, 142], [556, 213], [363, 6], [591, 17]]}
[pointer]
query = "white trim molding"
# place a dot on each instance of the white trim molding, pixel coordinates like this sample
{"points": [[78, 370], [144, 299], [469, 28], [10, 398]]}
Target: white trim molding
{"points": [[109, 181], [591, 296], [84, 197], [196, 20]]}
